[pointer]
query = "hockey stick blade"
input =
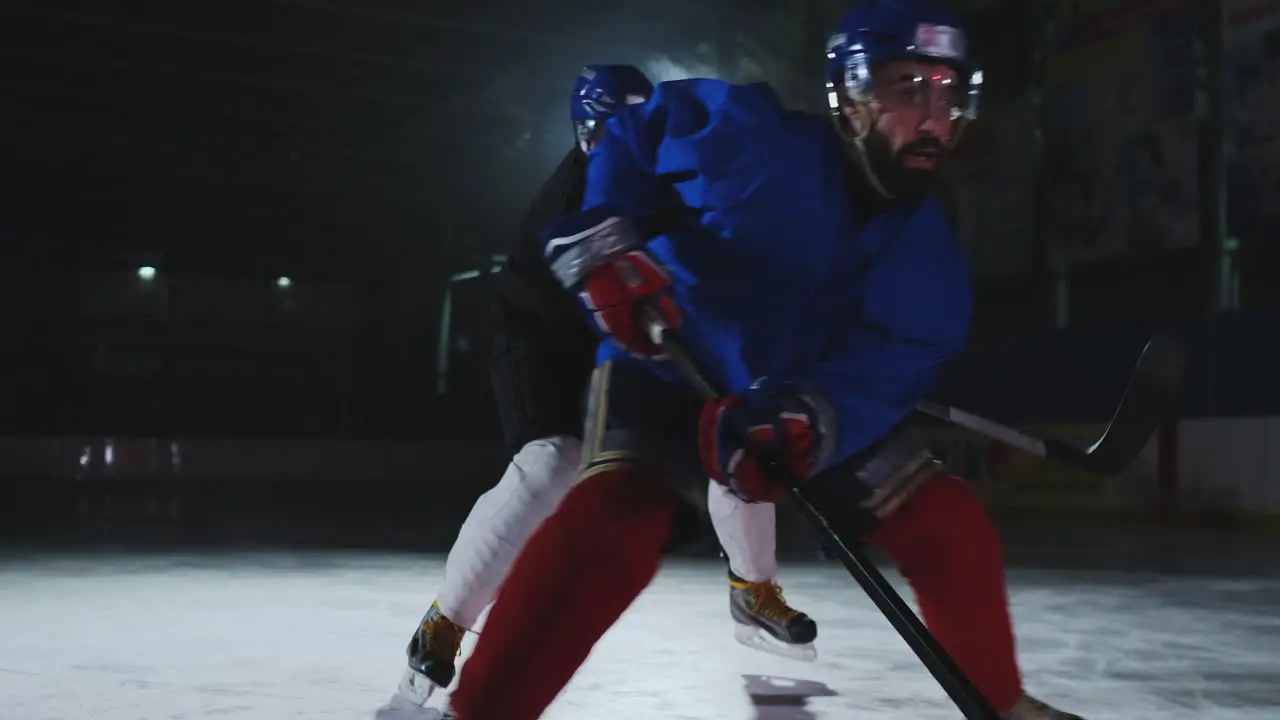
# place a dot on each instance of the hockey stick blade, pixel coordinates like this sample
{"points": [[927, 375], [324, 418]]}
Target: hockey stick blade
{"points": [[1149, 399]]}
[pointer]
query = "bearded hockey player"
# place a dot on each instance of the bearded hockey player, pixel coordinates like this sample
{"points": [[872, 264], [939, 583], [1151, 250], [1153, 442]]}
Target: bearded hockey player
{"points": [[544, 354], [819, 281]]}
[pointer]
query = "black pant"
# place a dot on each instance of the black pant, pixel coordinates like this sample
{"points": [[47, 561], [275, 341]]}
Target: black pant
{"points": [[634, 418], [539, 385]]}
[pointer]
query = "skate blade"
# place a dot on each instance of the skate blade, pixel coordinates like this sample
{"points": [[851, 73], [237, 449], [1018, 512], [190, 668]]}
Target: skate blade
{"points": [[757, 639], [402, 708], [416, 688]]}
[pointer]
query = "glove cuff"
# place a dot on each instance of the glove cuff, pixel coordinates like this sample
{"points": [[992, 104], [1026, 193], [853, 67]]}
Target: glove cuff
{"points": [[571, 257], [822, 418], [781, 397]]}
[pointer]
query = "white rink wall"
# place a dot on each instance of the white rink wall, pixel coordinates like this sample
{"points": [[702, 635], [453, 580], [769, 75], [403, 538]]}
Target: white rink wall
{"points": [[1230, 465]]}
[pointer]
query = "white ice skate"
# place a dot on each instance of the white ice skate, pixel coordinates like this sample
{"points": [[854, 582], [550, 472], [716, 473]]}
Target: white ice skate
{"points": [[419, 690], [401, 707]]}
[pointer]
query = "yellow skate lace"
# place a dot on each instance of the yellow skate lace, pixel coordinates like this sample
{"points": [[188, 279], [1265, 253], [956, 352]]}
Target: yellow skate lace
{"points": [[443, 636], [767, 599]]}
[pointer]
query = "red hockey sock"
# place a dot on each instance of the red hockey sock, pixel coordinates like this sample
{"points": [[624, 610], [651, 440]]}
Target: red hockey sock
{"points": [[575, 576], [944, 544]]}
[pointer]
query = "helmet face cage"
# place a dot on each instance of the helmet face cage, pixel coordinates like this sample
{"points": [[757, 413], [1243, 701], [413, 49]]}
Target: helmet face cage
{"points": [[600, 92], [586, 132], [849, 82]]}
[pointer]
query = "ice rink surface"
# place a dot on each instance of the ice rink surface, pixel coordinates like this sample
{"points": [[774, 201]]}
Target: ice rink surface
{"points": [[269, 636]]}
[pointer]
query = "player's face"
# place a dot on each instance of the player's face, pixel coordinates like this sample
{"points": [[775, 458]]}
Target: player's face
{"points": [[916, 102], [588, 134]]}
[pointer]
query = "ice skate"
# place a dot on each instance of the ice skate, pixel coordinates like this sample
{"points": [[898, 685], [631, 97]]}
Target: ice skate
{"points": [[764, 621], [401, 707], [431, 654], [1029, 708]]}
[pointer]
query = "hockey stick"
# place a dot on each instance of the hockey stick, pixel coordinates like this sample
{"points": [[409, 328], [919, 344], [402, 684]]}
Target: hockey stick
{"points": [[1149, 398], [895, 609]]}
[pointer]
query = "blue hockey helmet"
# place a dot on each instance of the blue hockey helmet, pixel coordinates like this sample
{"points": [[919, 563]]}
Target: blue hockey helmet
{"points": [[876, 31], [602, 90]]}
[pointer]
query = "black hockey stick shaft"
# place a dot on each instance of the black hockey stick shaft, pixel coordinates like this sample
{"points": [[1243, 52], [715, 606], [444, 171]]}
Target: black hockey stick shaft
{"points": [[903, 619]]}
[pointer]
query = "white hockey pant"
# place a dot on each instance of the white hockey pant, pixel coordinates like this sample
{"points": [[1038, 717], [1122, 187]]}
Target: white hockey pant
{"points": [[535, 482]]}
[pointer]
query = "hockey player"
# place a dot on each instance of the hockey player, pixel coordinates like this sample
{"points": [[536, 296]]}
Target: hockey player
{"points": [[544, 353], [820, 283]]}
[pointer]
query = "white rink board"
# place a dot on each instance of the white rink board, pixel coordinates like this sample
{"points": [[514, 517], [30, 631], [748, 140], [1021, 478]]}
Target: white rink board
{"points": [[1230, 465]]}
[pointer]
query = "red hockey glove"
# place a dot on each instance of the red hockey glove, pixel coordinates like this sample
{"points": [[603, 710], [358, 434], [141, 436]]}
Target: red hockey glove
{"points": [[740, 436], [602, 258], [625, 295]]}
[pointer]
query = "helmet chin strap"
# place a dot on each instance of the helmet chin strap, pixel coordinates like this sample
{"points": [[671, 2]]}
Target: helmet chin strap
{"points": [[858, 141], [864, 160], [859, 149]]}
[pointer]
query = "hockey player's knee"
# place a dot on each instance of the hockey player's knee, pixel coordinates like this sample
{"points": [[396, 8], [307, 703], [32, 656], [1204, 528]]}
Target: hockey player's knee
{"points": [[942, 516], [622, 492], [563, 450], [956, 516], [622, 505], [546, 468]]}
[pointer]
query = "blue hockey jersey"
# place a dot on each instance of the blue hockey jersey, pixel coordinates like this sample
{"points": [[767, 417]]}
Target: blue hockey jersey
{"points": [[774, 274]]}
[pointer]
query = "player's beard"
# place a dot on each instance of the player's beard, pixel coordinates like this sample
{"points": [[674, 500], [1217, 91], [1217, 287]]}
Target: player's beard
{"points": [[890, 167]]}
